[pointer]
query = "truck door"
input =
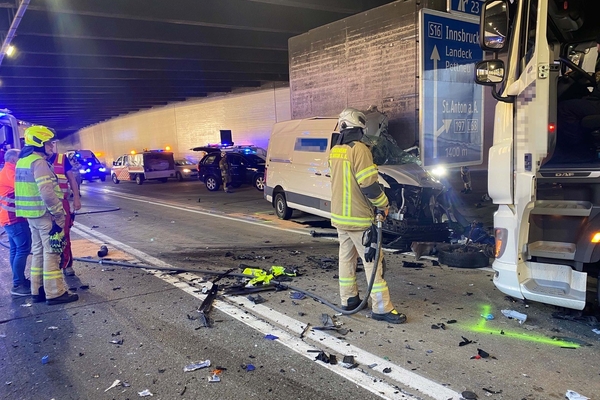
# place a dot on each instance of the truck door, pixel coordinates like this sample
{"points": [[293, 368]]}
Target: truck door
{"points": [[120, 168]]}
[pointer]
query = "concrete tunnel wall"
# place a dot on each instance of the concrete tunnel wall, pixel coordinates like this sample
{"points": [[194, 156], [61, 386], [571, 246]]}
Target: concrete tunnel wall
{"points": [[249, 115]]}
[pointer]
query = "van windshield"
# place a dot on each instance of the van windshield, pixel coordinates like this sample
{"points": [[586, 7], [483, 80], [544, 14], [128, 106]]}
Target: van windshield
{"points": [[385, 151]]}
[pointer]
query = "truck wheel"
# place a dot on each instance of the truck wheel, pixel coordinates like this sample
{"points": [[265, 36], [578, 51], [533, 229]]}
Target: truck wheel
{"points": [[463, 259], [212, 183], [178, 176], [114, 178], [103, 178], [139, 179], [259, 182], [281, 208]]}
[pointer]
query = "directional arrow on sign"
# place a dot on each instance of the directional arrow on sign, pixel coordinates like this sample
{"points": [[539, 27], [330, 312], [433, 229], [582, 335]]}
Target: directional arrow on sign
{"points": [[435, 57]]}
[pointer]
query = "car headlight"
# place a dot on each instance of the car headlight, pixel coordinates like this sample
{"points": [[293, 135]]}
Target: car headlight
{"points": [[439, 171], [102, 169], [82, 171], [186, 170]]}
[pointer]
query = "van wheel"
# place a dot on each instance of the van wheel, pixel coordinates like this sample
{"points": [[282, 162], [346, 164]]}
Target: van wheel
{"points": [[139, 179], [281, 208], [212, 183], [114, 178], [259, 182]]}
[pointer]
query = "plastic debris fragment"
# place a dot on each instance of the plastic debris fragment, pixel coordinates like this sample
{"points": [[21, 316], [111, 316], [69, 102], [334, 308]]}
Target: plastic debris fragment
{"points": [[515, 315], [45, 359], [468, 395], [488, 317], [465, 341], [145, 393], [195, 366], [573, 395], [114, 385], [297, 295], [271, 337], [387, 370]]}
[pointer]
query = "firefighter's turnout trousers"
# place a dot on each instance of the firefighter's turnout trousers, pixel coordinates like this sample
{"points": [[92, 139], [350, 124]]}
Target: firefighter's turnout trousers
{"points": [[45, 264], [351, 248]]}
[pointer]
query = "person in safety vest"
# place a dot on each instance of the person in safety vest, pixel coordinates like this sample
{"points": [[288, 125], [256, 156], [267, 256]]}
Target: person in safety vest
{"points": [[355, 191], [64, 172], [39, 199], [17, 228]]}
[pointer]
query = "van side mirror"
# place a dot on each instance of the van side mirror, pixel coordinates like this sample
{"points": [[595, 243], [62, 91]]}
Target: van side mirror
{"points": [[114, 163], [493, 28], [489, 72]]}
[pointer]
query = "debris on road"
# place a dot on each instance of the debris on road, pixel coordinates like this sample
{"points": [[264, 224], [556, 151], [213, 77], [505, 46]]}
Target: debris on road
{"points": [[103, 252], [468, 395], [408, 264], [387, 370], [465, 342], [297, 295], [512, 314], [45, 360], [573, 395], [271, 337], [248, 367], [145, 393], [114, 385], [115, 341], [258, 299], [348, 362], [488, 317], [195, 366]]}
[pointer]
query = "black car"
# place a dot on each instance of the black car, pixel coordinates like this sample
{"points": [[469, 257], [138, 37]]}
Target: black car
{"points": [[90, 167], [245, 168]]}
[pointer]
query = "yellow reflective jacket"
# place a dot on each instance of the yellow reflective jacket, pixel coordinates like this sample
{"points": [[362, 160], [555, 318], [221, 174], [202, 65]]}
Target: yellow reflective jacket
{"points": [[355, 189], [36, 189]]}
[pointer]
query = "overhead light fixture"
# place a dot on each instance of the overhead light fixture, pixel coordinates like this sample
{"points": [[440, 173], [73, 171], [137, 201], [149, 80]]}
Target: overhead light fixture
{"points": [[10, 50]]}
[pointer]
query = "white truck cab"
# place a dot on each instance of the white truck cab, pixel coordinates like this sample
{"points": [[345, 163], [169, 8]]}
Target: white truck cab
{"points": [[297, 178], [10, 131], [548, 220]]}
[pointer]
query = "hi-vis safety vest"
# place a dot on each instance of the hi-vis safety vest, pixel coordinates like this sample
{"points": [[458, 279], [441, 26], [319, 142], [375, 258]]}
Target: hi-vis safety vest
{"points": [[28, 201], [61, 175], [7, 196], [355, 189]]}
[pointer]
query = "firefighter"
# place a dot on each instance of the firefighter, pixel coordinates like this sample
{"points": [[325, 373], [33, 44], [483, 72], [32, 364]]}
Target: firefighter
{"points": [[62, 167], [39, 199], [355, 191], [225, 172], [17, 228]]}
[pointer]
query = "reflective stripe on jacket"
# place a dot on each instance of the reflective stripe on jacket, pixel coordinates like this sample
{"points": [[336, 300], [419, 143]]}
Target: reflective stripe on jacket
{"points": [[36, 188], [59, 169], [7, 196], [355, 189]]}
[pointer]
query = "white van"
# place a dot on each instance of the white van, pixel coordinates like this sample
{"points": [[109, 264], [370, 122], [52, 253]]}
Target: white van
{"points": [[297, 178]]}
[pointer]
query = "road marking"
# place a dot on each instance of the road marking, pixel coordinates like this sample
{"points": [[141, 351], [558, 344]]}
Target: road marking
{"points": [[140, 199], [268, 318]]}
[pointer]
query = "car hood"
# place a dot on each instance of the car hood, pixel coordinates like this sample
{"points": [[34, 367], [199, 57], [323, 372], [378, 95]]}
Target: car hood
{"points": [[408, 174]]}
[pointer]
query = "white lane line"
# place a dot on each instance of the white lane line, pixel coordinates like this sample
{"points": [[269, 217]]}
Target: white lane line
{"points": [[290, 336], [264, 224]]}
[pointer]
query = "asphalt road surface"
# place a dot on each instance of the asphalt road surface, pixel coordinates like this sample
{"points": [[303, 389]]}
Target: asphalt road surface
{"points": [[141, 326]]}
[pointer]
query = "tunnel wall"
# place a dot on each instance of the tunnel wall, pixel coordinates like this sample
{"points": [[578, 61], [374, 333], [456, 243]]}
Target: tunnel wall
{"points": [[249, 115]]}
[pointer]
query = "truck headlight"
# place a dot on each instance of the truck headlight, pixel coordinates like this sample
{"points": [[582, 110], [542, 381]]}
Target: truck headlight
{"points": [[187, 170]]}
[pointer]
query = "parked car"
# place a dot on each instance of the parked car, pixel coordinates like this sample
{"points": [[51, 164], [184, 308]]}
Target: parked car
{"points": [[185, 169], [89, 167], [245, 169]]}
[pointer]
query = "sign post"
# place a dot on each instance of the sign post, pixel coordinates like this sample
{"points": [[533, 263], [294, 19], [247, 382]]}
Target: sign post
{"points": [[451, 104]]}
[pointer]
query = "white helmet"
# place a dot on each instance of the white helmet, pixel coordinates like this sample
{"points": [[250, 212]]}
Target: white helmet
{"points": [[352, 118]]}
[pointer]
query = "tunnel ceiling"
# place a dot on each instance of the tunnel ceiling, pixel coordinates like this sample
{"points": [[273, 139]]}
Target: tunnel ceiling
{"points": [[80, 62]]}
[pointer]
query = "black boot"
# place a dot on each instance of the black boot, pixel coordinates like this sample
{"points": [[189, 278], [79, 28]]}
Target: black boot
{"points": [[66, 297], [353, 302], [39, 297]]}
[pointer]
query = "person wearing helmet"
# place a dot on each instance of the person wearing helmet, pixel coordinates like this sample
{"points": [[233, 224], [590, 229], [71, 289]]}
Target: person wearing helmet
{"points": [[355, 191], [225, 172], [39, 199]]}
